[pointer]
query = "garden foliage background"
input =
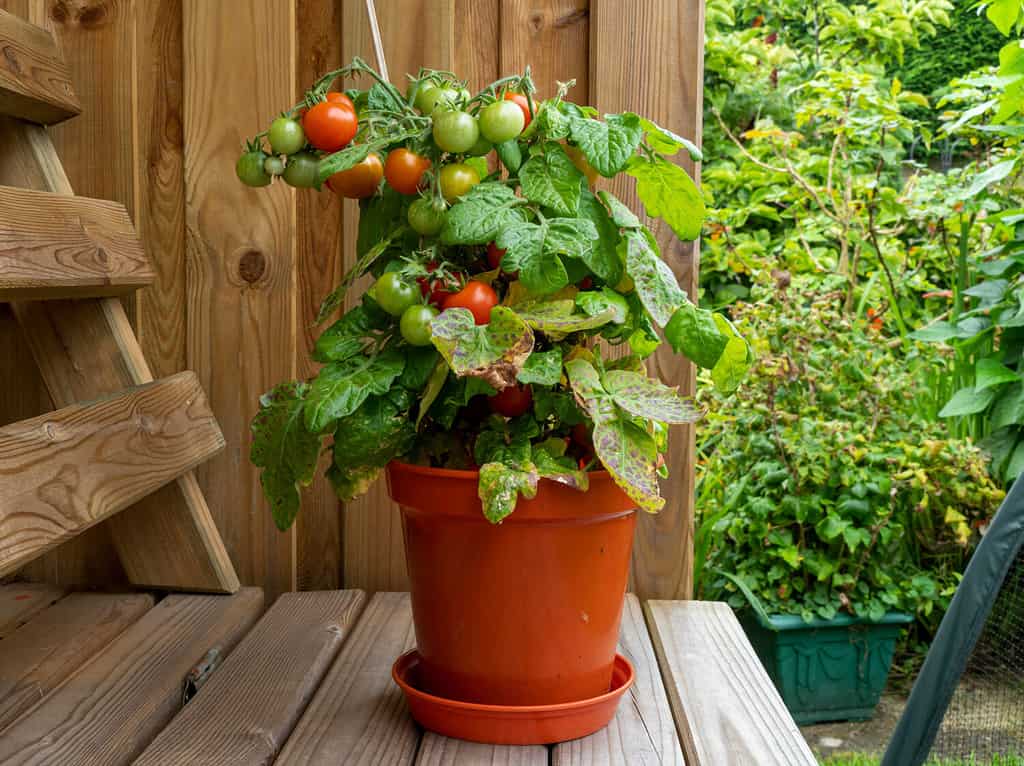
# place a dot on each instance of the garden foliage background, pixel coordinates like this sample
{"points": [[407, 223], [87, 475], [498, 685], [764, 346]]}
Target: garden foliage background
{"points": [[862, 168]]}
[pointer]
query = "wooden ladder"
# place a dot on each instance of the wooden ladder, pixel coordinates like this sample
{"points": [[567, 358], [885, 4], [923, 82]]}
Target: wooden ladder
{"points": [[119, 441]]}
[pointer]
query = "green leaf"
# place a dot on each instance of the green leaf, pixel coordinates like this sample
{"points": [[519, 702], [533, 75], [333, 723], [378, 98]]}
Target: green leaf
{"points": [[693, 332], [500, 486], [645, 398], [631, 457], [1003, 13], [732, 365], [345, 338], [607, 145], [563, 470], [533, 250], [1008, 409], [586, 385], [331, 303], [551, 180], [559, 317], [990, 372], [494, 352], [285, 450], [967, 401], [936, 332], [352, 482], [419, 364], [831, 527], [604, 302], [552, 121], [543, 368], [342, 386], [377, 432], [656, 285], [435, 383], [602, 257], [623, 217], [477, 217], [668, 192], [346, 159], [993, 174], [664, 141]]}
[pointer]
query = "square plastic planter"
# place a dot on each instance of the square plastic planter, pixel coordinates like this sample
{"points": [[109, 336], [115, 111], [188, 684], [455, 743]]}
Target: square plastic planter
{"points": [[827, 670]]}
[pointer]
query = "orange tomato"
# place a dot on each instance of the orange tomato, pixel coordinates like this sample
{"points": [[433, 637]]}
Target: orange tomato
{"points": [[359, 181]]}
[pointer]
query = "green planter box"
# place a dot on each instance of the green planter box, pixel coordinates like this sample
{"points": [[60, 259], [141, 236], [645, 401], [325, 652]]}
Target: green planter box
{"points": [[827, 670]]}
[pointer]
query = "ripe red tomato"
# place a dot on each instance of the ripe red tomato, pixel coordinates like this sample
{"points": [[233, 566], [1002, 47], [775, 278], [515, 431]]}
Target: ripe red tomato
{"points": [[359, 181], [524, 104], [477, 297], [437, 289], [404, 170], [494, 256], [330, 126], [581, 435], [512, 401], [340, 98]]}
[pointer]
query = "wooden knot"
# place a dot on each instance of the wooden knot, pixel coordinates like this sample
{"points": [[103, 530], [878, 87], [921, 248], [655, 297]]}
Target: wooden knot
{"points": [[536, 22], [88, 14], [251, 266], [13, 65]]}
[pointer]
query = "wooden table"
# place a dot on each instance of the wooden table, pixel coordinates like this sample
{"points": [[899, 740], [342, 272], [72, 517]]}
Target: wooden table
{"points": [[90, 678]]}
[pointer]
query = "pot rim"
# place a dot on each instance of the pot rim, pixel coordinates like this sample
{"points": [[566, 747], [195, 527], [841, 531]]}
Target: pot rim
{"points": [[460, 473]]}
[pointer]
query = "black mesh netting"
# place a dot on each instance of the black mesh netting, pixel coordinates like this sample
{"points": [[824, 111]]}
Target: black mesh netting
{"points": [[985, 717]]}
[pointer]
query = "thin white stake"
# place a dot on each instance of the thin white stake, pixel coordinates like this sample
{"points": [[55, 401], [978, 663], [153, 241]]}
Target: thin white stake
{"points": [[378, 44]]}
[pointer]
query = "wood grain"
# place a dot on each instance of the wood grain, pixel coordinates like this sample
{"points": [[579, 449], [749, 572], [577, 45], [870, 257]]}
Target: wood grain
{"points": [[111, 708], [64, 471], [726, 708], [239, 73], [648, 58], [35, 81], [358, 716], [86, 349], [59, 640], [415, 33], [249, 706], [20, 601], [551, 37], [643, 730], [480, 21], [318, 233], [436, 750], [53, 246]]}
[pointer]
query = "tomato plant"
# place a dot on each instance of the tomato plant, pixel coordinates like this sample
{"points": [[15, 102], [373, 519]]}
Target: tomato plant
{"points": [[501, 121], [456, 179], [524, 105], [494, 255], [415, 324], [477, 297], [404, 170], [455, 131], [286, 136], [330, 125], [426, 217], [359, 181], [394, 294]]}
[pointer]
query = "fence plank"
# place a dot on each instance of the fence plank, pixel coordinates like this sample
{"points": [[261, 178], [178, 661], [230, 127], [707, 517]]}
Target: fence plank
{"points": [[112, 707], [415, 33], [59, 640], [657, 71], [552, 38], [239, 73], [35, 83]]}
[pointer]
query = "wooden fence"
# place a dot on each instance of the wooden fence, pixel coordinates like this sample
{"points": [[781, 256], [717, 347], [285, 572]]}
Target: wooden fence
{"points": [[170, 88]]}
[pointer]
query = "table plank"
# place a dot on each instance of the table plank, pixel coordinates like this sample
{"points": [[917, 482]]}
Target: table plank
{"points": [[244, 713], [19, 601], [59, 640], [642, 731], [727, 709], [358, 716], [436, 750], [110, 709]]}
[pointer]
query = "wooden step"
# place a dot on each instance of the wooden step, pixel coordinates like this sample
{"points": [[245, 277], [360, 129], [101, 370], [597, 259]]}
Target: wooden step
{"points": [[107, 712], [726, 708], [54, 246], [86, 349], [59, 640], [66, 470], [35, 83], [263, 687], [20, 601]]}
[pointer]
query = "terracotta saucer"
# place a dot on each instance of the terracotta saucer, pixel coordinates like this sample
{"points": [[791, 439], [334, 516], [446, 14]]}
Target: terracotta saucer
{"points": [[511, 724]]}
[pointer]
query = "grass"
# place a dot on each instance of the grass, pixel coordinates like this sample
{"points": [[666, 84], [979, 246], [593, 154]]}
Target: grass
{"points": [[855, 759]]}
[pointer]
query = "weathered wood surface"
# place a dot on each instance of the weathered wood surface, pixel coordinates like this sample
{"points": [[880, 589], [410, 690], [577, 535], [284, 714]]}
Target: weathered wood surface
{"points": [[62, 472], [53, 246], [436, 750], [59, 640], [35, 82], [86, 349], [111, 708], [247, 709], [19, 601], [358, 716], [726, 708]]}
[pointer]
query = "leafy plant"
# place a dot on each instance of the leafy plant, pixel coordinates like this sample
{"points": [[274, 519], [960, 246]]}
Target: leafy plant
{"points": [[477, 345]]}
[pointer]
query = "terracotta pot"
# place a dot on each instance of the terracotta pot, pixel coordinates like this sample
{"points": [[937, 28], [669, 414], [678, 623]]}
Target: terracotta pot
{"points": [[525, 612]]}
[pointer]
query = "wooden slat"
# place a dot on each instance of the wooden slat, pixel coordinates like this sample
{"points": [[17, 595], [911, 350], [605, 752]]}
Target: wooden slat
{"points": [[436, 750], [358, 716], [246, 711], [86, 349], [64, 471], [241, 287], [59, 640], [726, 708], [648, 58], [52, 246], [642, 730], [19, 601], [551, 38], [35, 82], [318, 237], [479, 20], [415, 33], [111, 708]]}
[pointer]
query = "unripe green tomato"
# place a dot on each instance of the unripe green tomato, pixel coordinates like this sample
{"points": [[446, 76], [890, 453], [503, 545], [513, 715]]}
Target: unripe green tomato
{"points": [[394, 294], [286, 136], [431, 97], [274, 165], [250, 170], [426, 218], [481, 147], [301, 170], [501, 121], [415, 324], [455, 131]]}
